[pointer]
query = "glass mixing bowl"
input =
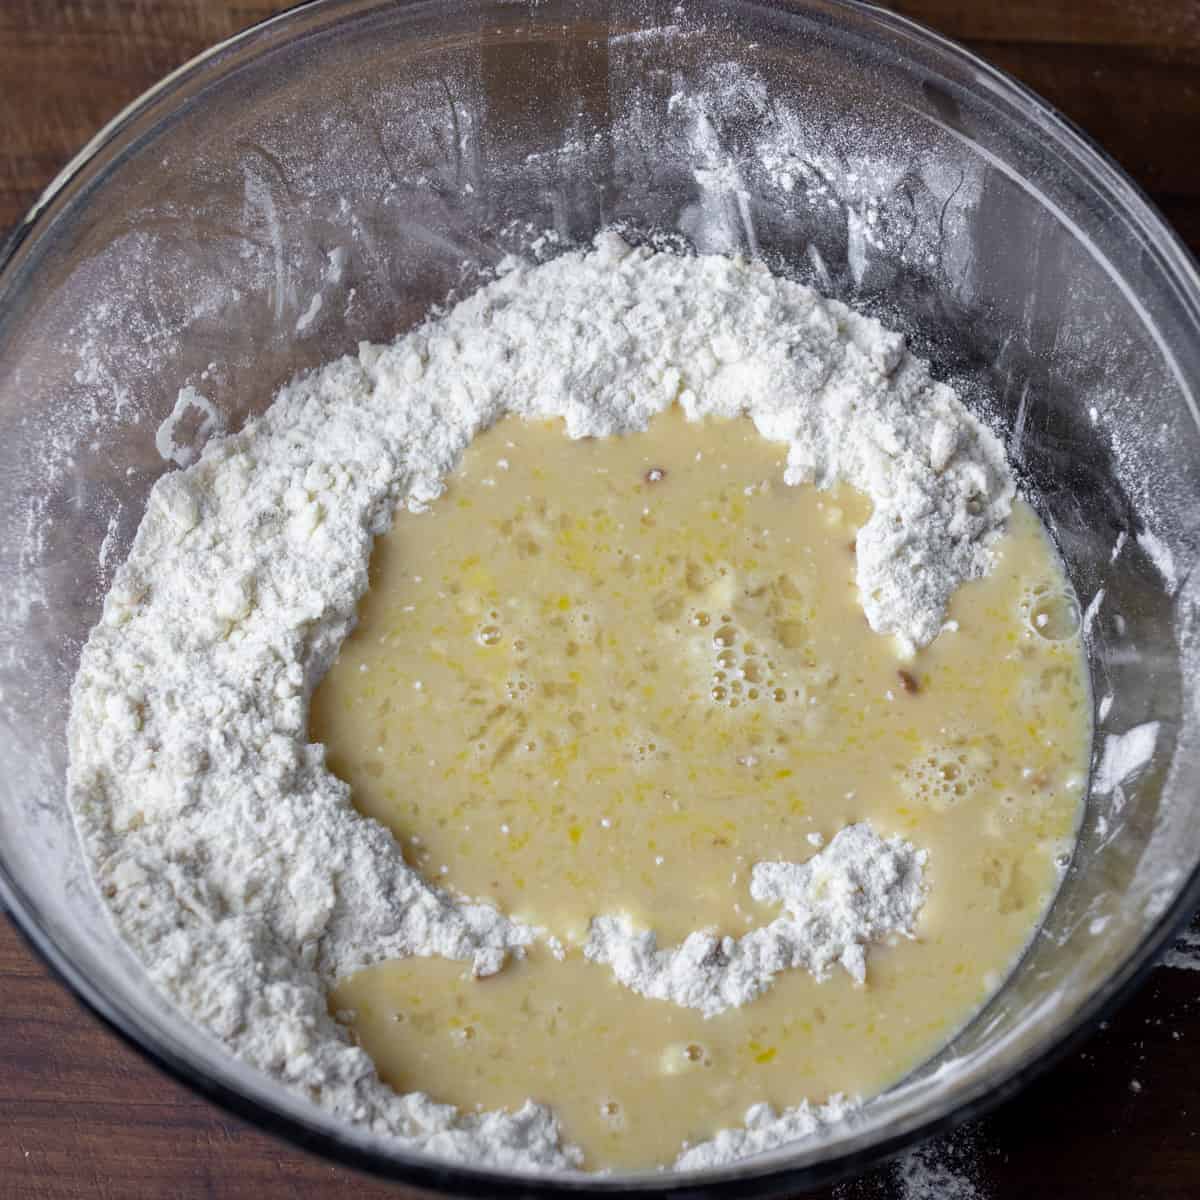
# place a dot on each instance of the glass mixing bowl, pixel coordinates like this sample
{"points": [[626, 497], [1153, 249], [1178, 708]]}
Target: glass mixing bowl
{"points": [[329, 175]]}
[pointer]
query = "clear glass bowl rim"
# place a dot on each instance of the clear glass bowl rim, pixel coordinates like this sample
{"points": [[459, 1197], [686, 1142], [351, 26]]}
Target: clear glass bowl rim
{"points": [[743, 1179]]}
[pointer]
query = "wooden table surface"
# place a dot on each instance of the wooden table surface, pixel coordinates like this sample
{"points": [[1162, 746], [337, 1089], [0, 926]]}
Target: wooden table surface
{"points": [[81, 1115]]}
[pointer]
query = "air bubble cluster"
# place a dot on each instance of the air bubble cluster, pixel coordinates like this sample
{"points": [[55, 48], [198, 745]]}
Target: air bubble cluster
{"points": [[742, 671], [945, 776]]}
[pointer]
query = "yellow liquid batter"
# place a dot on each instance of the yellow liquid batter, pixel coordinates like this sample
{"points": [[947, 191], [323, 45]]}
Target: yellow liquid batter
{"points": [[609, 676]]}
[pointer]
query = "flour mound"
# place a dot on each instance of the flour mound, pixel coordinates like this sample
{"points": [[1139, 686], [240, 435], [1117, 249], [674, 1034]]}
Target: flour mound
{"points": [[859, 889], [766, 1129], [232, 861]]}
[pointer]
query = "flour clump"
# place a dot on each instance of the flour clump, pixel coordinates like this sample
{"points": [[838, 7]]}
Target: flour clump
{"points": [[232, 861], [859, 889]]}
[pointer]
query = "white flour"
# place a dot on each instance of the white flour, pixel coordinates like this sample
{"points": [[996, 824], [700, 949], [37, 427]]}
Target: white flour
{"points": [[765, 1129], [861, 888], [945, 1169], [232, 861]]}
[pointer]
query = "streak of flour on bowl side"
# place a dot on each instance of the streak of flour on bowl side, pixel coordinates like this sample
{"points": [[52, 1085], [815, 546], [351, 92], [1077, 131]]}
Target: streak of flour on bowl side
{"points": [[232, 861]]}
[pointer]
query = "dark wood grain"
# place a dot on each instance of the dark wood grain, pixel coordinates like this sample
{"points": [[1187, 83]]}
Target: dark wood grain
{"points": [[81, 1115]]}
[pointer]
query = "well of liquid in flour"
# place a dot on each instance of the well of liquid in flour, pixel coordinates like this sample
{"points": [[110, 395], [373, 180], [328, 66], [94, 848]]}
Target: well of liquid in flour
{"points": [[609, 676]]}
